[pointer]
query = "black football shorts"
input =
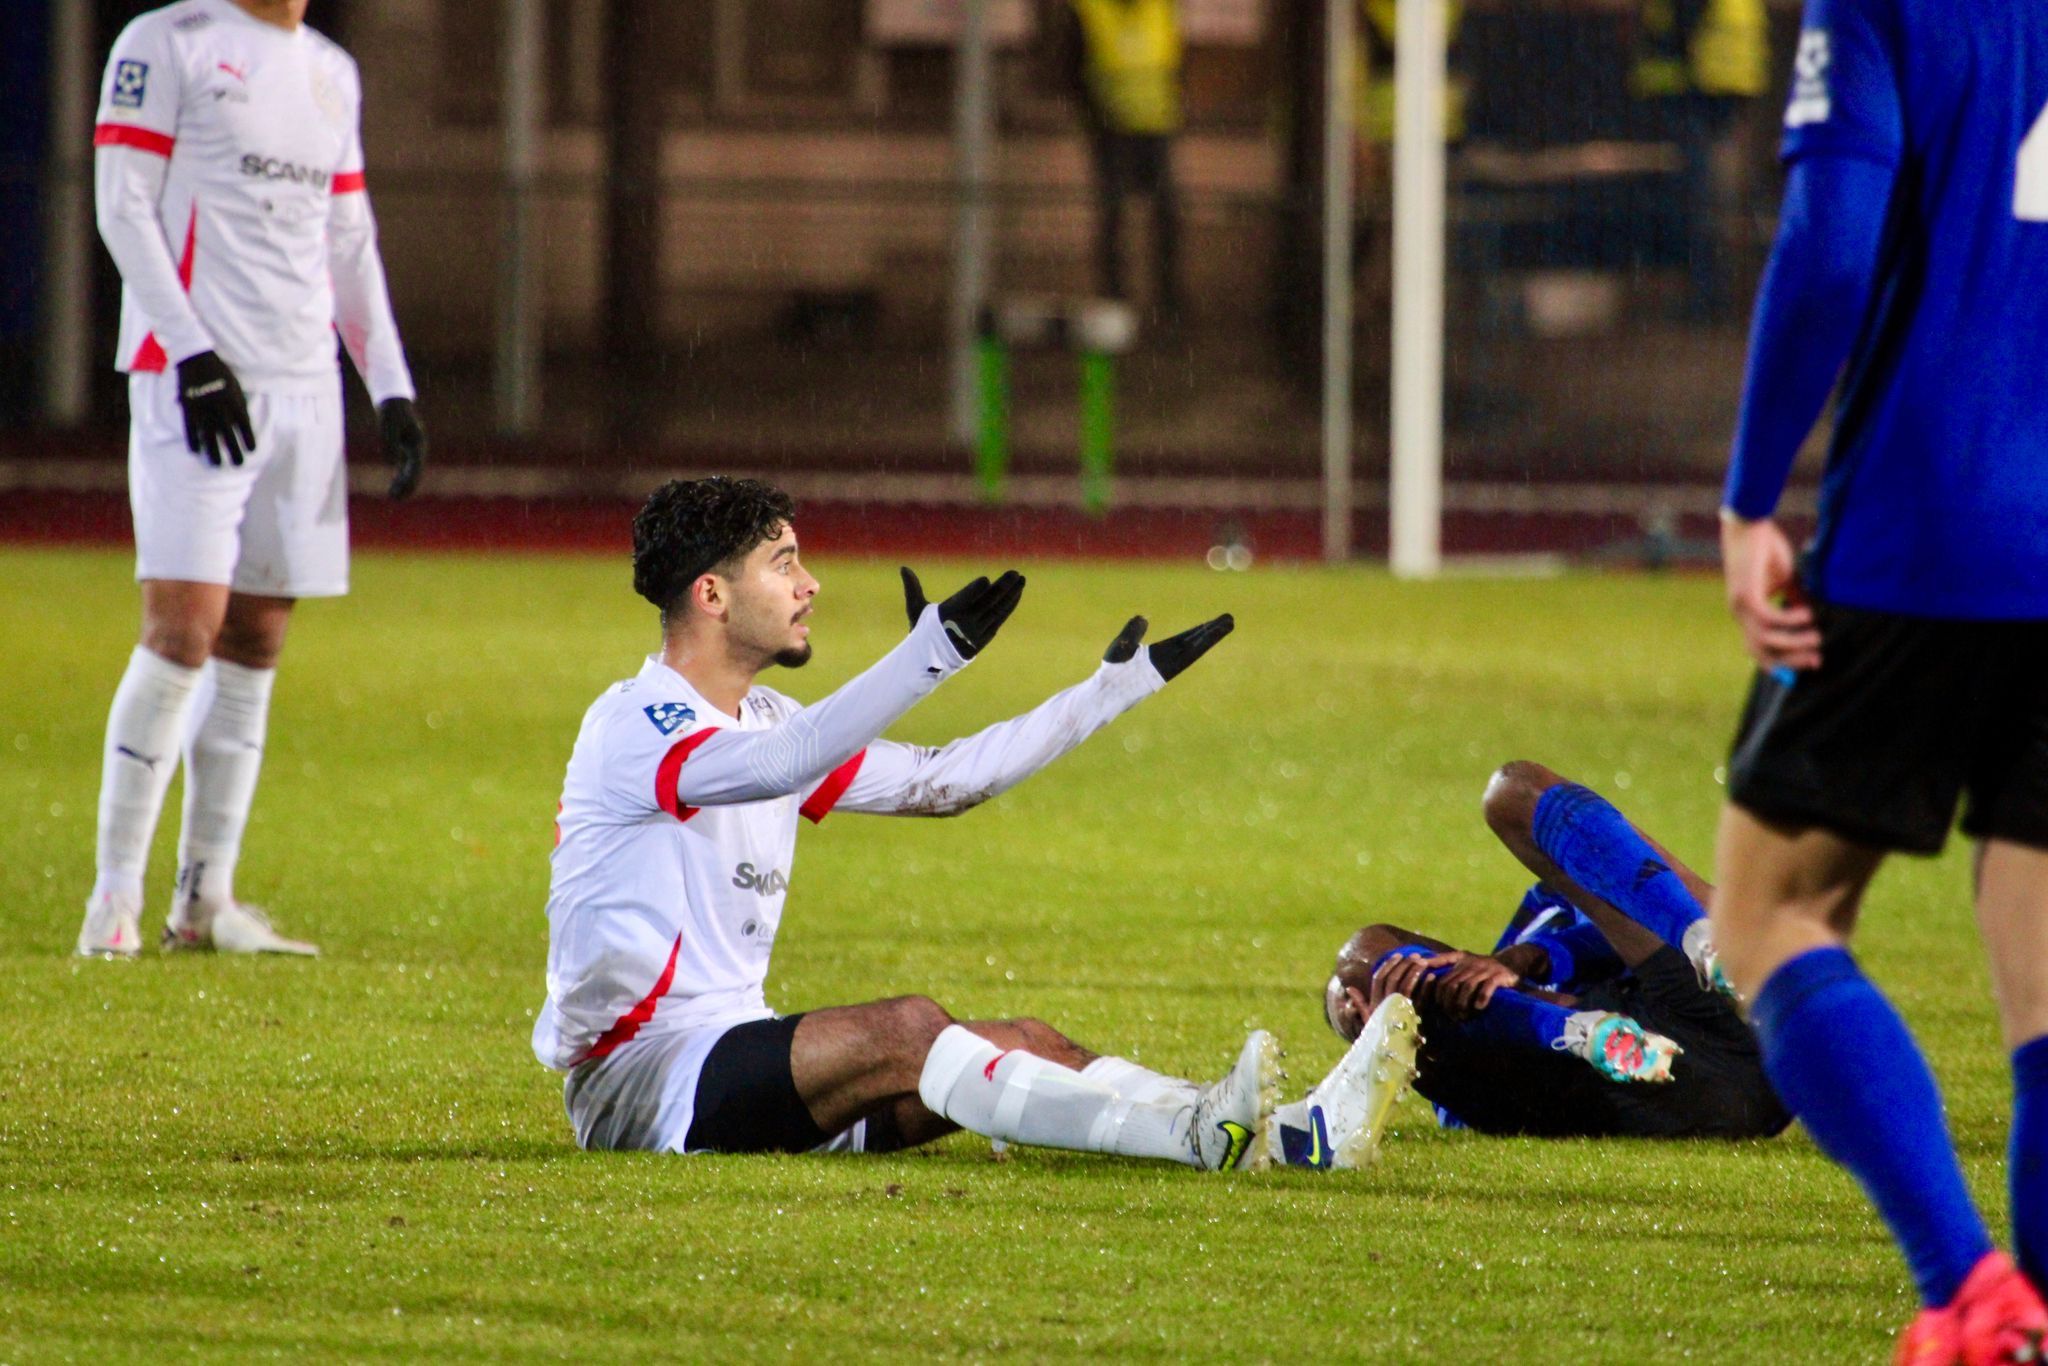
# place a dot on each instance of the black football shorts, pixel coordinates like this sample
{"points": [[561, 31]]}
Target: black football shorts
{"points": [[1904, 716]]}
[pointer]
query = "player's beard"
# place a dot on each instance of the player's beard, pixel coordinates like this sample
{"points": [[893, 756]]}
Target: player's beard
{"points": [[795, 657]]}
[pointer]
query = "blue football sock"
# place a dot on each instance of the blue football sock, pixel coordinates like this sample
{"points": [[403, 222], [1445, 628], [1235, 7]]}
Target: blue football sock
{"points": [[1578, 954], [2027, 1166], [1842, 1060], [1511, 1019], [1597, 848]]}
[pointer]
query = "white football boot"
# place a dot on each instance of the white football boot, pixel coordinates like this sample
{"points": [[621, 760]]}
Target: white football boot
{"points": [[112, 928], [1228, 1128], [1698, 949], [1357, 1098], [227, 927]]}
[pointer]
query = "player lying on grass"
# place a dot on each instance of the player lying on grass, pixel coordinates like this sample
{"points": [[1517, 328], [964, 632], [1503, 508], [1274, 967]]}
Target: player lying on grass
{"points": [[673, 857], [1601, 1011]]}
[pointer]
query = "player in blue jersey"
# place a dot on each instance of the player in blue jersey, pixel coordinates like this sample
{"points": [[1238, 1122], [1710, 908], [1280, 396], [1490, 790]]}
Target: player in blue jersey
{"points": [[1904, 657], [1606, 962]]}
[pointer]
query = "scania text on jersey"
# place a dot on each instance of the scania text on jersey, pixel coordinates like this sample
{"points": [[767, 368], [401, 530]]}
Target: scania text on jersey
{"points": [[275, 168]]}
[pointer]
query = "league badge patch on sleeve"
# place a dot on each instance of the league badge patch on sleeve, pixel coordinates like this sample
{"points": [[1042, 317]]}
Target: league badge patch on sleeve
{"points": [[131, 79], [668, 717], [1810, 101]]}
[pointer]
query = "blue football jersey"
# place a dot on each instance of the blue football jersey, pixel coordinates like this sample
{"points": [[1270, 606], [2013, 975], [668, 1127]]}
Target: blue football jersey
{"points": [[1935, 498]]}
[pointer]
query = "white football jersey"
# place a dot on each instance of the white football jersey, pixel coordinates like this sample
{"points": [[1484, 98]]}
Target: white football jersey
{"points": [[230, 192], [661, 916]]}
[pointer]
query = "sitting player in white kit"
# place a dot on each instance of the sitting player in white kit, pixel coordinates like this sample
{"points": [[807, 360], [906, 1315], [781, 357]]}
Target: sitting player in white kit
{"points": [[673, 856]]}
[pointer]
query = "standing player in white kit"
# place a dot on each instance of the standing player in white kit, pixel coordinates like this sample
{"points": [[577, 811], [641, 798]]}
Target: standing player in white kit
{"points": [[229, 180], [673, 857]]}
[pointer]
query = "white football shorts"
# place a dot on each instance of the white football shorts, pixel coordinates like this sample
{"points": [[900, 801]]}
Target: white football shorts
{"points": [[642, 1096], [277, 525]]}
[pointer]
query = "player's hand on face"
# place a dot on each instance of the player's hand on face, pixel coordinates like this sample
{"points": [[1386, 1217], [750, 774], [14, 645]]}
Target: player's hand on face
{"points": [[1758, 567], [1173, 654], [971, 616], [216, 413], [405, 444]]}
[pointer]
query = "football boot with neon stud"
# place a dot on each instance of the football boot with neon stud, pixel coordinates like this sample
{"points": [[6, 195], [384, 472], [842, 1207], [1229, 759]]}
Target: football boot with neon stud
{"points": [[1228, 1128], [1617, 1047], [227, 927], [1347, 1112], [112, 928]]}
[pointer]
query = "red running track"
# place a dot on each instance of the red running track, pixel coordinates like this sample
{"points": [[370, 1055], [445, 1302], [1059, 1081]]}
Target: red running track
{"points": [[62, 517]]}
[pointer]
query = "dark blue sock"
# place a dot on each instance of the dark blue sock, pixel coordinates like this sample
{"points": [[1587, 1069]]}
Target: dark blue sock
{"points": [[1843, 1061], [1598, 849], [2027, 1164], [1510, 1020]]}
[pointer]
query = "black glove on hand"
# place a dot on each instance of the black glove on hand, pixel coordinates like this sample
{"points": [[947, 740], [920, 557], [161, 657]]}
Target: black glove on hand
{"points": [[973, 615], [405, 444], [216, 413], [1173, 654]]}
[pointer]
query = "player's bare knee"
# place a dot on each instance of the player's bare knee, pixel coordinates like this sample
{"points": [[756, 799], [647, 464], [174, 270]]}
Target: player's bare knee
{"points": [[918, 1021], [250, 647], [1047, 1042], [1512, 793], [181, 641]]}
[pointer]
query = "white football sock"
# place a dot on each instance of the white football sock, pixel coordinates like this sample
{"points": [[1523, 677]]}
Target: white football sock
{"points": [[1135, 1082], [140, 754], [1022, 1098], [223, 755]]}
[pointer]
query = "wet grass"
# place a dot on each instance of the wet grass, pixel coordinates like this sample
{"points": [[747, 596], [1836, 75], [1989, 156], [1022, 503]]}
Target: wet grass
{"points": [[358, 1157]]}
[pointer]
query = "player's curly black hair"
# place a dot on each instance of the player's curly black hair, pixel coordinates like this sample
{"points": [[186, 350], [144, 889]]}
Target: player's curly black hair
{"points": [[688, 527]]}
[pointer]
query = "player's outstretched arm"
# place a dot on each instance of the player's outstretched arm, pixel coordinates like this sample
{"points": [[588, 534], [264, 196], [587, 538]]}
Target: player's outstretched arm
{"points": [[911, 780], [724, 767]]}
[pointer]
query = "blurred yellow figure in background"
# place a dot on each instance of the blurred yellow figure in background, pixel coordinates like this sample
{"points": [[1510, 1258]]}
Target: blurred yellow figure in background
{"points": [[1130, 89], [1700, 61], [1375, 89]]}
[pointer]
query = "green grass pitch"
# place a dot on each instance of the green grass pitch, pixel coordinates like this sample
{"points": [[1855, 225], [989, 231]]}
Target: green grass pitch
{"points": [[358, 1157]]}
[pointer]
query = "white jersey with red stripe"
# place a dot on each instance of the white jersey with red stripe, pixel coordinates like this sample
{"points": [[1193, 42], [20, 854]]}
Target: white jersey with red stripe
{"points": [[230, 192], [652, 902], [661, 914]]}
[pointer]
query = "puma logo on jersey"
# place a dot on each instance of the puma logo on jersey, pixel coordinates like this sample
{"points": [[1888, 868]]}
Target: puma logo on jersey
{"points": [[275, 168], [234, 71], [772, 883]]}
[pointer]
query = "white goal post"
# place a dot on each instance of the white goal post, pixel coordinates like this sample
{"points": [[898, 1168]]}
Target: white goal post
{"points": [[1415, 489]]}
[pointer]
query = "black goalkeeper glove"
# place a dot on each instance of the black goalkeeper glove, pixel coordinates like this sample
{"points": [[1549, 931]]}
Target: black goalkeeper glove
{"points": [[216, 413], [405, 444], [973, 615], [1173, 654]]}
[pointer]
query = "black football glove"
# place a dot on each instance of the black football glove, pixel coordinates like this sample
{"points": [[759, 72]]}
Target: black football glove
{"points": [[216, 413], [1173, 654], [973, 615], [405, 444]]}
